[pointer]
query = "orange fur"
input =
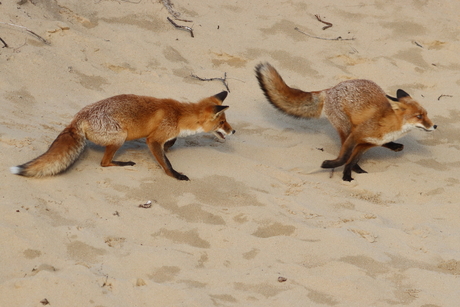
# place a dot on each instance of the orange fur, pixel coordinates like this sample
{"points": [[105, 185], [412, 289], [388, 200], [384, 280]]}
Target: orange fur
{"points": [[115, 120], [359, 110]]}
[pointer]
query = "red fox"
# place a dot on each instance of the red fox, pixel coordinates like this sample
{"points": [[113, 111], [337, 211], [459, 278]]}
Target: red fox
{"points": [[360, 111], [112, 121]]}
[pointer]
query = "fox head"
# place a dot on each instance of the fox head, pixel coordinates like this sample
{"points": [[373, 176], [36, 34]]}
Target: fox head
{"points": [[413, 114], [213, 117]]}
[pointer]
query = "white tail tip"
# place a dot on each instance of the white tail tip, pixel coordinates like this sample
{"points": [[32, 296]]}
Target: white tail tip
{"points": [[15, 170]]}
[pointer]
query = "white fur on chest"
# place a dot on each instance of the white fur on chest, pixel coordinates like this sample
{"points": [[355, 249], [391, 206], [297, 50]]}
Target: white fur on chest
{"points": [[391, 136], [187, 132]]}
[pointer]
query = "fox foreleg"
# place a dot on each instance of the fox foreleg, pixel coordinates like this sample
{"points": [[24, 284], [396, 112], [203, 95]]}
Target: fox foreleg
{"points": [[157, 150], [169, 144], [352, 163], [358, 169], [393, 146]]}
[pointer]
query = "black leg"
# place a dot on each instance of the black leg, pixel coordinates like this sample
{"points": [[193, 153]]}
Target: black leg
{"points": [[358, 169], [169, 144], [158, 151], [394, 146]]}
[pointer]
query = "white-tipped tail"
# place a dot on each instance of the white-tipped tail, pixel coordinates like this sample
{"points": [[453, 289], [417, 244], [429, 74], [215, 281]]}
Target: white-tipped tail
{"points": [[15, 170], [62, 153]]}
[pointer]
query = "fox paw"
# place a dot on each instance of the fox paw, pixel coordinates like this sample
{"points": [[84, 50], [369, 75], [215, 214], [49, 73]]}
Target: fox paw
{"points": [[330, 164], [358, 169], [347, 177], [394, 146], [121, 163], [180, 176]]}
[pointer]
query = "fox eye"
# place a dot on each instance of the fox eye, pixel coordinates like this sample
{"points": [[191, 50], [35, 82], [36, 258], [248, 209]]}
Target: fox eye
{"points": [[222, 122], [419, 116]]}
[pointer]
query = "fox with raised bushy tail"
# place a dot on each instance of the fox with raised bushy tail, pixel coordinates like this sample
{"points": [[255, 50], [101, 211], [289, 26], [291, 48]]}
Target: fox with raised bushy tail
{"points": [[115, 120], [360, 111]]}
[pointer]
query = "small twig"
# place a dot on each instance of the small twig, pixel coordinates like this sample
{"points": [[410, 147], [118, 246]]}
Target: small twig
{"points": [[5, 45], [223, 80], [16, 50], [418, 44], [181, 27], [172, 11], [444, 96], [29, 31], [329, 39], [105, 282], [328, 24]]}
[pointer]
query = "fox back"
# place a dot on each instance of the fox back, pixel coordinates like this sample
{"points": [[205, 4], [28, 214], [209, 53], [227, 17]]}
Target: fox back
{"points": [[139, 116]]}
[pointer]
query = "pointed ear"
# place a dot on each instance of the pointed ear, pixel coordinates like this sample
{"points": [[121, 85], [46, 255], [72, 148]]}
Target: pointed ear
{"points": [[219, 109], [221, 96], [392, 98], [401, 94]]}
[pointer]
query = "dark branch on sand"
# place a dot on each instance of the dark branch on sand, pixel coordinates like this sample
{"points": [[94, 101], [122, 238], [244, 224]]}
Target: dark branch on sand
{"points": [[28, 31], [328, 24], [329, 39], [5, 45], [181, 27], [444, 96], [223, 80]]}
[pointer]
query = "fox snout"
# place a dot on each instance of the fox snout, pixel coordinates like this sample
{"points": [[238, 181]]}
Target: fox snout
{"points": [[432, 128], [221, 133], [427, 126]]}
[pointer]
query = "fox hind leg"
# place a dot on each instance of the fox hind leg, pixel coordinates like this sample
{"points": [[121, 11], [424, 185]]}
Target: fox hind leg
{"points": [[108, 156], [344, 155]]}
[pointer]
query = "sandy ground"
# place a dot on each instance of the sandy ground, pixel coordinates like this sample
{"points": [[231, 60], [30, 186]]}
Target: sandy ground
{"points": [[257, 206]]}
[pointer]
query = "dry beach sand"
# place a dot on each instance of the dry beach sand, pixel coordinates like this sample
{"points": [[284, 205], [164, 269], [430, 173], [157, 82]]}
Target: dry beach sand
{"points": [[257, 208]]}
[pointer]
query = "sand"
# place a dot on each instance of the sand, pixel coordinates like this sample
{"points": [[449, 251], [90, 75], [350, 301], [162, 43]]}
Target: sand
{"points": [[259, 223]]}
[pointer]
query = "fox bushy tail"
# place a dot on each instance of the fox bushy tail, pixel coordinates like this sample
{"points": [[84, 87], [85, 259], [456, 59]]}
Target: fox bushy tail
{"points": [[289, 100], [62, 153]]}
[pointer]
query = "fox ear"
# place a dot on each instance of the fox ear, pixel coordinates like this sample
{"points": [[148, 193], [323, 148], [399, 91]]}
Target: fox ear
{"points": [[392, 98], [401, 94], [218, 110], [221, 96]]}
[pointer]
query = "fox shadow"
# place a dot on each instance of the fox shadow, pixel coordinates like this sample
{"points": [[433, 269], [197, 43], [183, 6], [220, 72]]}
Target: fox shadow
{"points": [[308, 126], [139, 147]]}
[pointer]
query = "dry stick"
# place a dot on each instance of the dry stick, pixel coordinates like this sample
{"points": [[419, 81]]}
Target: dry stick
{"points": [[223, 80], [181, 27], [329, 39], [328, 24], [332, 173], [444, 96], [27, 30], [4, 43]]}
